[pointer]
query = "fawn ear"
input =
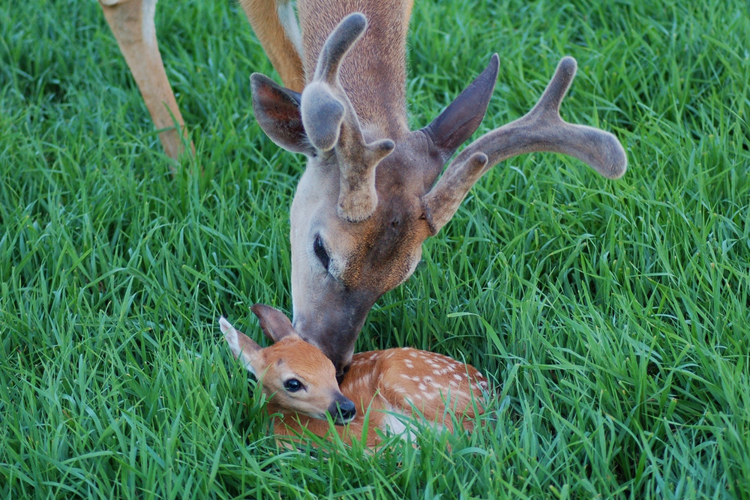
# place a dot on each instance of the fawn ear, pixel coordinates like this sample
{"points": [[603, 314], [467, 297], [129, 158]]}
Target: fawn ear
{"points": [[242, 346], [277, 111], [274, 323]]}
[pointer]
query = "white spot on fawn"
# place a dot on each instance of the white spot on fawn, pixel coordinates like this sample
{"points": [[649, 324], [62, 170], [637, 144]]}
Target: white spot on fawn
{"points": [[448, 369]]}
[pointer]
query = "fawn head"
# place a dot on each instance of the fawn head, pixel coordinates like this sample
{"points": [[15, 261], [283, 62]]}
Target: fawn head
{"points": [[369, 198], [295, 375]]}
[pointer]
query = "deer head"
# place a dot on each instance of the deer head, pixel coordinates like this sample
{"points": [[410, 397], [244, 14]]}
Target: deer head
{"points": [[295, 376], [369, 196]]}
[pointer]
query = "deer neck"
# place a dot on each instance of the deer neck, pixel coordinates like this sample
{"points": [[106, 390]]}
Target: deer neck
{"points": [[374, 72]]}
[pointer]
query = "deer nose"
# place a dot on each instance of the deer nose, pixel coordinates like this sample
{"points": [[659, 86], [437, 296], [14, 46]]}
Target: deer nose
{"points": [[343, 411]]}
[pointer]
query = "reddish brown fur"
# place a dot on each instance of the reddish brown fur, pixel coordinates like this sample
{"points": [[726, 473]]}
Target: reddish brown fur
{"points": [[381, 384], [377, 382], [309, 365]]}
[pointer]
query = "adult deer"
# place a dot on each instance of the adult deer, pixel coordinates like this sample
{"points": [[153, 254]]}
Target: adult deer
{"points": [[369, 197], [381, 391], [370, 194]]}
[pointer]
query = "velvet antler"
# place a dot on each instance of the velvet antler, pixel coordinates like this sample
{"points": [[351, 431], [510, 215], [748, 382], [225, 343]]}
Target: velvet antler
{"points": [[541, 129], [331, 123]]}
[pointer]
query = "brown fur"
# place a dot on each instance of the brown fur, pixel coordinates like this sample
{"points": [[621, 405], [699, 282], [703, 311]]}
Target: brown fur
{"points": [[379, 100], [309, 365], [376, 384], [264, 19], [382, 385]]}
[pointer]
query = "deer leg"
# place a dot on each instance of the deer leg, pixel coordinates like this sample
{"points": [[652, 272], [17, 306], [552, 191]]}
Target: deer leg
{"points": [[132, 22], [275, 25]]}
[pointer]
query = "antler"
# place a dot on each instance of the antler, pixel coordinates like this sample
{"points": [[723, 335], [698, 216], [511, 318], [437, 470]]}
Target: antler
{"points": [[541, 129], [331, 123]]}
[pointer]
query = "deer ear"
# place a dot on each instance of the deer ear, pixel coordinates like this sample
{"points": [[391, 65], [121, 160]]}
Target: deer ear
{"points": [[242, 346], [277, 111], [455, 125], [274, 323]]}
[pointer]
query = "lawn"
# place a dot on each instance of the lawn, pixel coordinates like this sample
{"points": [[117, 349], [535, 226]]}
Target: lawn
{"points": [[612, 315]]}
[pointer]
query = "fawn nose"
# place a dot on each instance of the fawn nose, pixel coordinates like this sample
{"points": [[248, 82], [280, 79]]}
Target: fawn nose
{"points": [[343, 410]]}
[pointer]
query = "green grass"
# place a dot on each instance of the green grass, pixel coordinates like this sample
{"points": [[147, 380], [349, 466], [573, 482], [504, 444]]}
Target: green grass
{"points": [[613, 315]]}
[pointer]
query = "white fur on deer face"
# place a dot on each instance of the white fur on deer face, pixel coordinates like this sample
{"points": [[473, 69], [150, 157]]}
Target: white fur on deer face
{"points": [[296, 377]]}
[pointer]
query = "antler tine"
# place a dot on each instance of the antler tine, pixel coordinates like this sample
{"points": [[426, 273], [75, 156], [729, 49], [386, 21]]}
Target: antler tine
{"points": [[331, 123], [341, 39], [542, 129], [324, 100]]}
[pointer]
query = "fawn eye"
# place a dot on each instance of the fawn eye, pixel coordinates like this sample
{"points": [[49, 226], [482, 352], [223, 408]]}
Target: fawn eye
{"points": [[293, 385], [320, 252]]}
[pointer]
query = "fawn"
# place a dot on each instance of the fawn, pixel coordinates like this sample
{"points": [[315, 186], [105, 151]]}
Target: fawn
{"points": [[300, 382]]}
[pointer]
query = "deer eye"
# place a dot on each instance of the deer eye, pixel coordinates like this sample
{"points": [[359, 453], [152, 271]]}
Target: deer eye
{"points": [[320, 252], [293, 385]]}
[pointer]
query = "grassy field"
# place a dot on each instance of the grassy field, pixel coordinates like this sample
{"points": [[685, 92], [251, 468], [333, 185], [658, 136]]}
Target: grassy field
{"points": [[613, 316]]}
